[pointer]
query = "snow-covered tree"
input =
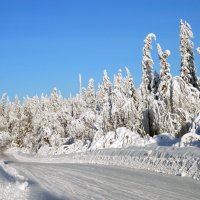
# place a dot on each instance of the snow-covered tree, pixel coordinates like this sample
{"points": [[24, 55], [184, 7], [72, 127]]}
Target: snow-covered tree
{"points": [[147, 67], [16, 108], [118, 101], [165, 76], [146, 90], [156, 83], [55, 100], [106, 85], [104, 101], [128, 85], [77, 128], [14, 125], [26, 134], [90, 96], [8, 109], [2, 105], [49, 131], [118, 80], [188, 69], [35, 105], [44, 103], [3, 121], [129, 110]]}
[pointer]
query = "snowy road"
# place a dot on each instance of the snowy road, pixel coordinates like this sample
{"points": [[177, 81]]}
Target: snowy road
{"points": [[86, 181]]}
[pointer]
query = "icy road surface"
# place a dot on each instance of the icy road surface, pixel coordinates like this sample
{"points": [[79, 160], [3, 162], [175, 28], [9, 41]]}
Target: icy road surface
{"points": [[87, 181]]}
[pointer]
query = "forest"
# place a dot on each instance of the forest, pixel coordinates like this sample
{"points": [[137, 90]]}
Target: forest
{"points": [[162, 104]]}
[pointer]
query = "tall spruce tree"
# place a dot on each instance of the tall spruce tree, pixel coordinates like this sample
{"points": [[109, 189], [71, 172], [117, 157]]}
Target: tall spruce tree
{"points": [[147, 67], [165, 76], [188, 69]]}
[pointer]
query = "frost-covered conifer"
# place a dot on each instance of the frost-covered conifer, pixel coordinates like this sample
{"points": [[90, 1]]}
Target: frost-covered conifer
{"points": [[129, 110], [188, 69], [104, 91], [28, 115], [156, 83], [118, 101], [106, 82], [147, 67], [55, 100], [90, 97], [35, 105], [89, 120], [165, 76], [14, 126], [44, 103], [43, 132], [147, 92], [16, 108], [2, 105], [118, 81], [49, 131], [26, 134], [3, 121], [104, 101], [8, 109], [77, 128], [129, 88]]}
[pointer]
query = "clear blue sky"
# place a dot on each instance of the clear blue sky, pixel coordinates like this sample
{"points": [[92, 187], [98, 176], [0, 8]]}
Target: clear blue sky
{"points": [[47, 43]]}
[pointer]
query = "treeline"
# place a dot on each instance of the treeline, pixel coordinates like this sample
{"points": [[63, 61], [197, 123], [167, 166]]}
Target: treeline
{"points": [[162, 103]]}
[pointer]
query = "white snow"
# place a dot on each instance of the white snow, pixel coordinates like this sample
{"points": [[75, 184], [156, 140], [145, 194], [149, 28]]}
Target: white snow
{"points": [[169, 160], [12, 184], [85, 181], [165, 139], [64, 174], [190, 139], [121, 138], [162, 153], [167, 52], [4, 139]]}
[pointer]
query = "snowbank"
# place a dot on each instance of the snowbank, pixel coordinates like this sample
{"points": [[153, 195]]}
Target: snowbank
{"points": [[162, 153], [190, 139], [76, 146], [170, 160], [165, 139], [193, 137], [121, 138], [12, 185]]}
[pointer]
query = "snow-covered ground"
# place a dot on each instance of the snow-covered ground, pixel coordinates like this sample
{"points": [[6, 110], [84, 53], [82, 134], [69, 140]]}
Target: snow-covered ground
{"points": [[121, 138], [170, 160], [162, 153], [84, 170], [12, 184], [85, 181]]}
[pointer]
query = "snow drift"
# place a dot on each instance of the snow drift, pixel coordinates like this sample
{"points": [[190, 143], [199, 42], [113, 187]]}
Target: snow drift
{"points": [[170, 160], [12, 184]]}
